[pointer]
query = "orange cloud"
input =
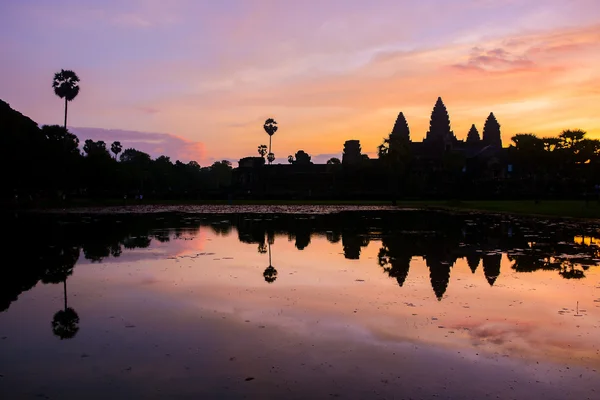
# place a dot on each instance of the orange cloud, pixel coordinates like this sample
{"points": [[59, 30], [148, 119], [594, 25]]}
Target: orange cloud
{"points": [[538, 83]]}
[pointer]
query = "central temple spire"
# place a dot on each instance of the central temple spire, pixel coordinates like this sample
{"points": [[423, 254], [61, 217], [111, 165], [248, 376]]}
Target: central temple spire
{"points": [[440, 135], [401, 130], [439, 124], [491, 132]]}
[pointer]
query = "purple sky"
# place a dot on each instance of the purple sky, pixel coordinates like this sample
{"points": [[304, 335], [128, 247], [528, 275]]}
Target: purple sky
{"points": [[206, 74]]}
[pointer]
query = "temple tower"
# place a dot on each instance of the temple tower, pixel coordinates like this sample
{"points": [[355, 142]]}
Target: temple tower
{"points": [[401, 130], [440, 135], [491, 267], [473, 136], [352, 152], [491, 132]]}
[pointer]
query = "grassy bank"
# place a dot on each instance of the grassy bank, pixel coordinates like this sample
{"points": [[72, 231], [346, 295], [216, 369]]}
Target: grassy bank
{"points": [[557, 208]]}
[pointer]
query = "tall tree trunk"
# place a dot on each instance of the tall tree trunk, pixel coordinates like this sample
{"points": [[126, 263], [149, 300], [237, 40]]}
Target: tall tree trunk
{"points": [[66, 104], [270, 146], [65, 289]]}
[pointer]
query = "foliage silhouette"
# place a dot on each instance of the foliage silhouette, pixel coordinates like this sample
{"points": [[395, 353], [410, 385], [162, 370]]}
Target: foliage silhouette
{"points": [[270, 274], [65, 323], [262, 150], [302, 158], [116, 148]]}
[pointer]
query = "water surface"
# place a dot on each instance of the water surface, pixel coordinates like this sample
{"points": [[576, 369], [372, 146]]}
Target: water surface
{"points": [[362, 303]]}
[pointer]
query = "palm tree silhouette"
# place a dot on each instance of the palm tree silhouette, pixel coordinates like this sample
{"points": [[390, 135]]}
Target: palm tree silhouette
{"points": [[270, 127], [262, 150], [66, 86], [116, 148]]}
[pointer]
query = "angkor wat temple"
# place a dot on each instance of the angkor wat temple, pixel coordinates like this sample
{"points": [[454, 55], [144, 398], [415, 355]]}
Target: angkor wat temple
{"points": [[440, 140], [439, 166]]}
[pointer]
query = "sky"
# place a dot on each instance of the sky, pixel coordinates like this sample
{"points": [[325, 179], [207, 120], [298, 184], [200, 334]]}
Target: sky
{"points": [[196, 79]]}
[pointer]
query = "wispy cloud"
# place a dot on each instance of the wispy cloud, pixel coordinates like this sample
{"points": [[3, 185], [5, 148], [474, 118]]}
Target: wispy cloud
{"points": [[131, 19], [496, 59]]}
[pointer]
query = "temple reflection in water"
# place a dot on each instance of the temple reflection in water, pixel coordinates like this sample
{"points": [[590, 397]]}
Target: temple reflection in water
{"points": [[47, 248]]}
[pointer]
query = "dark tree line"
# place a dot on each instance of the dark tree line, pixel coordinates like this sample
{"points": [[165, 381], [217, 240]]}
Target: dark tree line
{"points": [[47, 163], [557, 165]]}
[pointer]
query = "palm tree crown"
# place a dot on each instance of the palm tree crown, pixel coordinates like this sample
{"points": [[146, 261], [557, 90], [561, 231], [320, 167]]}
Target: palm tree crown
{"points": [[270, 126], [66, 84], [116, 148]]}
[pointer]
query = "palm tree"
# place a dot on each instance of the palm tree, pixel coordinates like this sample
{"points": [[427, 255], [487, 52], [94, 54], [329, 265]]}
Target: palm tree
{"points": [[270, 127], [270, 157], [262, 150], [291, 159], [116, 148], [66, 86]]}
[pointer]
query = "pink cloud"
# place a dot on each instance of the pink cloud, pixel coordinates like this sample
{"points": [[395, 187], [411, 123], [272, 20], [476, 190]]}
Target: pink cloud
{"points": [[155, 144]]}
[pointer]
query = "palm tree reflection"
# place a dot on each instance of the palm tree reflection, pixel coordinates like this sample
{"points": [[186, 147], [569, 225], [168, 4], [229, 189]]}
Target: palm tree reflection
{"points": [[270, 273], [65, 323], [60, 264], [262, 248]]}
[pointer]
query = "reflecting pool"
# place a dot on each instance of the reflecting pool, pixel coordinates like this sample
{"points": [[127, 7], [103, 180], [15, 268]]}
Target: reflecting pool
{"points": [[325, 303]]}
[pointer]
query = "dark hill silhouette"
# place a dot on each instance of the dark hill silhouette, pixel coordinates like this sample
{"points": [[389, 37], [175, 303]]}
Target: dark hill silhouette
{"points": [[47, 166]]}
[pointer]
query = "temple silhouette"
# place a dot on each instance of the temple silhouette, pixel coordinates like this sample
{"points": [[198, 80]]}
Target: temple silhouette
{"points": [[440, 138], [440, 165]]}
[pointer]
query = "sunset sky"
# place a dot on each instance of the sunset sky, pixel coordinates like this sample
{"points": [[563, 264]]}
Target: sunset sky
{"points": [[196, 79]]}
